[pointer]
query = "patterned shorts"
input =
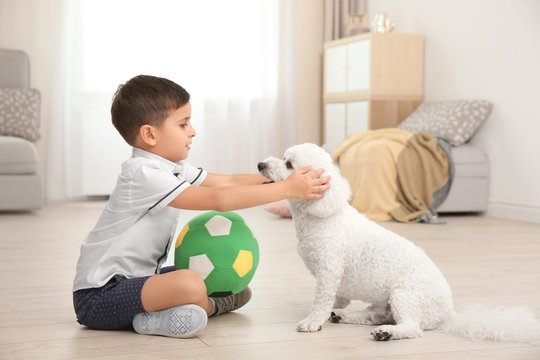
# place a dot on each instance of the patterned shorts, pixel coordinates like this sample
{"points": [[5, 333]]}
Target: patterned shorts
{"points": [[112, 306]]}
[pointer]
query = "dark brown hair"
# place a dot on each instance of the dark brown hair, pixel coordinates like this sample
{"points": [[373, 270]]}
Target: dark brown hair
{"points": [[145, 100]]}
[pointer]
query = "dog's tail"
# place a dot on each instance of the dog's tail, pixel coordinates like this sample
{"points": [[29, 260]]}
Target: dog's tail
{"points": [[513, 324]]}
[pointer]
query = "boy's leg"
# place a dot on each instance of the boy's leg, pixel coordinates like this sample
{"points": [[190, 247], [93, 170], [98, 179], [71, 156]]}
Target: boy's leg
{"points": [[182, 321], [175, 288], [115, 305], [176, 305], [179, 287], [112, 306]]}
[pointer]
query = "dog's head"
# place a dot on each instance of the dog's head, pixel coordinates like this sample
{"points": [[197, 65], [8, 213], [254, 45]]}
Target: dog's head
{"points": [[300, 156]]}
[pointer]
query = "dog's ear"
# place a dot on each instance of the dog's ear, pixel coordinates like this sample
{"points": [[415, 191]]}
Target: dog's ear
{"points": [[334, 198]]}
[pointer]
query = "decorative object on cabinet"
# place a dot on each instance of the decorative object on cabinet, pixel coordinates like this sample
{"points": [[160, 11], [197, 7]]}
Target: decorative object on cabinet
{"points": [[357, 24], [382, 24], [371, 81]]}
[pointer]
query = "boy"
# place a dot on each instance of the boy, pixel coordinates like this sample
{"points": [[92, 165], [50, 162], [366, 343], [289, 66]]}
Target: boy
{"points": [[119, 280]]}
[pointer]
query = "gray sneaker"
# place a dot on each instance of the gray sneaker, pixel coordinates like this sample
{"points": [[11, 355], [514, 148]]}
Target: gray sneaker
{"points": [[232, 302], [183, 321]]}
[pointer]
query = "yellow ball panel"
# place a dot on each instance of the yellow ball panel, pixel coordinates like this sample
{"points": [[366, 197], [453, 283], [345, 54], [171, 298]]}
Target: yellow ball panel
{"points": [[243, 262], [181, 236]]}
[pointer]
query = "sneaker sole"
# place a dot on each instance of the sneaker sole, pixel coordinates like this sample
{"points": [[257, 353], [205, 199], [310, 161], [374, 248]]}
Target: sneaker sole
{"points": [[182, 321]]}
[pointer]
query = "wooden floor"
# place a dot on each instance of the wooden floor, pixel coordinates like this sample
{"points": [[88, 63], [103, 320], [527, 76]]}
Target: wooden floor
{"points": [[486, 260]]}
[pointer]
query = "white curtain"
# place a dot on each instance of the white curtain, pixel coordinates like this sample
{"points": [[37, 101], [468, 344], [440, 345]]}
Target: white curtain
{"points": [[225, 53], [230, 56]]}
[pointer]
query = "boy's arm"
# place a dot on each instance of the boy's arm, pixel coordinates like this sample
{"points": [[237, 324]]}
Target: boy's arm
{"points": [[301, 184], [217, 180]]}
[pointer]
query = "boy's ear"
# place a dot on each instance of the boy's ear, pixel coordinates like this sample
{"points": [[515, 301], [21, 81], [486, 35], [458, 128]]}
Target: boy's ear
{"points": [[146, 133]]}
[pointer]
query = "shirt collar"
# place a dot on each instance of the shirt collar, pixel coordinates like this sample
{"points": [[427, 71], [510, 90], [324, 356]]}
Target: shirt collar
{"points": [[171, 166]]}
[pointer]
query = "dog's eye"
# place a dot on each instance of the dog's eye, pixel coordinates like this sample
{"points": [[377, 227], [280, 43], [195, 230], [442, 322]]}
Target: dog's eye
{"points": [[288, 165]]}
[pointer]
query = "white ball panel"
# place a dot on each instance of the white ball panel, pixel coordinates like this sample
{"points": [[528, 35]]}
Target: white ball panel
{"points": [[219, 225], [201, 264]]}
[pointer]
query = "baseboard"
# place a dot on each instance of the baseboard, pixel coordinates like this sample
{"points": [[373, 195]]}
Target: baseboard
{"points": [[514, 211]]}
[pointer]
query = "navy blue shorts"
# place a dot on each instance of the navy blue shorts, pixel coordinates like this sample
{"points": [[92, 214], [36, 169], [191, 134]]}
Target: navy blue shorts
{"points": [[112, 306]]}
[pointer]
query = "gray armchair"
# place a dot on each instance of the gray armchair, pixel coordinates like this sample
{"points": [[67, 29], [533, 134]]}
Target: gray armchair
{"points": [[20, 184]]}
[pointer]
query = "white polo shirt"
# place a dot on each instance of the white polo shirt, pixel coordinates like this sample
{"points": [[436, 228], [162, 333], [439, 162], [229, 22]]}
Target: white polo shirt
{"points": [[132, 235]]}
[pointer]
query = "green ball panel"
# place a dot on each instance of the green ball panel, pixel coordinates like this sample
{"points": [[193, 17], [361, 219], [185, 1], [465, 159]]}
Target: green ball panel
{"points": [[191, 246], [226, 279]]}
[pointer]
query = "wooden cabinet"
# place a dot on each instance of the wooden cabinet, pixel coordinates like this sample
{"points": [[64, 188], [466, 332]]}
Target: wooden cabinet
{"points": [[371, 81]]}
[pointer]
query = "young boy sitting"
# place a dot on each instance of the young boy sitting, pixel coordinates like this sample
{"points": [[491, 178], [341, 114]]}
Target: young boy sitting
{"points": [[119, 281]]}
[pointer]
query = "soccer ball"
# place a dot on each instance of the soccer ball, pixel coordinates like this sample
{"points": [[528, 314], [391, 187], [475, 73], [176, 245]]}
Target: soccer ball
{"points": [[220, 247]]}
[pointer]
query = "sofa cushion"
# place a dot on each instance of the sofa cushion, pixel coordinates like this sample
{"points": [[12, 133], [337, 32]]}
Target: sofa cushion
{"points": [[456, 121], [17, 156], [469, 162], [20, 192], [19, 113]]}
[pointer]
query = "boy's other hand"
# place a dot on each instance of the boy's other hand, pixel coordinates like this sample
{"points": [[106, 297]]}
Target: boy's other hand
{"points": [[306, 184]]}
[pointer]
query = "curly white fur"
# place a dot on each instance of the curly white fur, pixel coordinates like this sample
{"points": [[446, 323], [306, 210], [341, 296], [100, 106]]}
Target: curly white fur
{"points": [[354, 258]]}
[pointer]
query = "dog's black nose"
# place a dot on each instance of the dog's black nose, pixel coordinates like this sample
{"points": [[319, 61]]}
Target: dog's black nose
{"points": [[261, 166]]}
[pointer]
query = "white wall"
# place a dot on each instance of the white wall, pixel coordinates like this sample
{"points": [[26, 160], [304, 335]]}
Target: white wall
{"points": [[485, 49]]}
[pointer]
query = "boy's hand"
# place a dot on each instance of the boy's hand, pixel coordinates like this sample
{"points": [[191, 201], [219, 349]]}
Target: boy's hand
{"points": [[304, 184]]}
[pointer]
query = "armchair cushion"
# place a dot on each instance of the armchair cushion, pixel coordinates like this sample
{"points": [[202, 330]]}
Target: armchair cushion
{"points": [[17, 156], [19, 113]]}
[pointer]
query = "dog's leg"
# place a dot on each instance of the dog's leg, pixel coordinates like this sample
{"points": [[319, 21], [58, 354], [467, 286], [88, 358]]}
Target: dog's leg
{"points": [[341, 302], [406, 309], [403, 330], [372, 315], [328, 278]]}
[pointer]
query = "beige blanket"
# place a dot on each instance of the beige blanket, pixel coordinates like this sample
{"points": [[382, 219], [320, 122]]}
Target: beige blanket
{"points": [[393, 173]]}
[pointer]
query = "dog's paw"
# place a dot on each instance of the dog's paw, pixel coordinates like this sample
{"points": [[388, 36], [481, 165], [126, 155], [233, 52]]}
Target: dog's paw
{"points": [[335, 318], [308, 325], [381, 335]]}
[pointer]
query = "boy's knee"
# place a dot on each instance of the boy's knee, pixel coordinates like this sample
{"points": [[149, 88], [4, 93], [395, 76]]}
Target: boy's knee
{"points": [[191, 285]]}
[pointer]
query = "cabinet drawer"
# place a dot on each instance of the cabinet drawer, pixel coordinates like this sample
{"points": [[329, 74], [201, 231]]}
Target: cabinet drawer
{"points": [[347, 67], [358, 65], [344, 119], [357, 117], [336, 69]]}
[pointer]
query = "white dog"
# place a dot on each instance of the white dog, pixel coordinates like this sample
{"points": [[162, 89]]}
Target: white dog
{"points": [[353, 258]]}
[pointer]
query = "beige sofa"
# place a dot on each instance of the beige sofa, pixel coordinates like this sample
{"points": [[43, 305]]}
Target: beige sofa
{"points": [[20, 184]]}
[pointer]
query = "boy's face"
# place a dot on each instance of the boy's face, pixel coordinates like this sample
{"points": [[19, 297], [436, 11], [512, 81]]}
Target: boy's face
{"points": [[175, 135]]}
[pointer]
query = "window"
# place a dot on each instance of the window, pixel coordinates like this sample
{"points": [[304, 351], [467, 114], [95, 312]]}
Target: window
{"points": [[225, 53]]}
